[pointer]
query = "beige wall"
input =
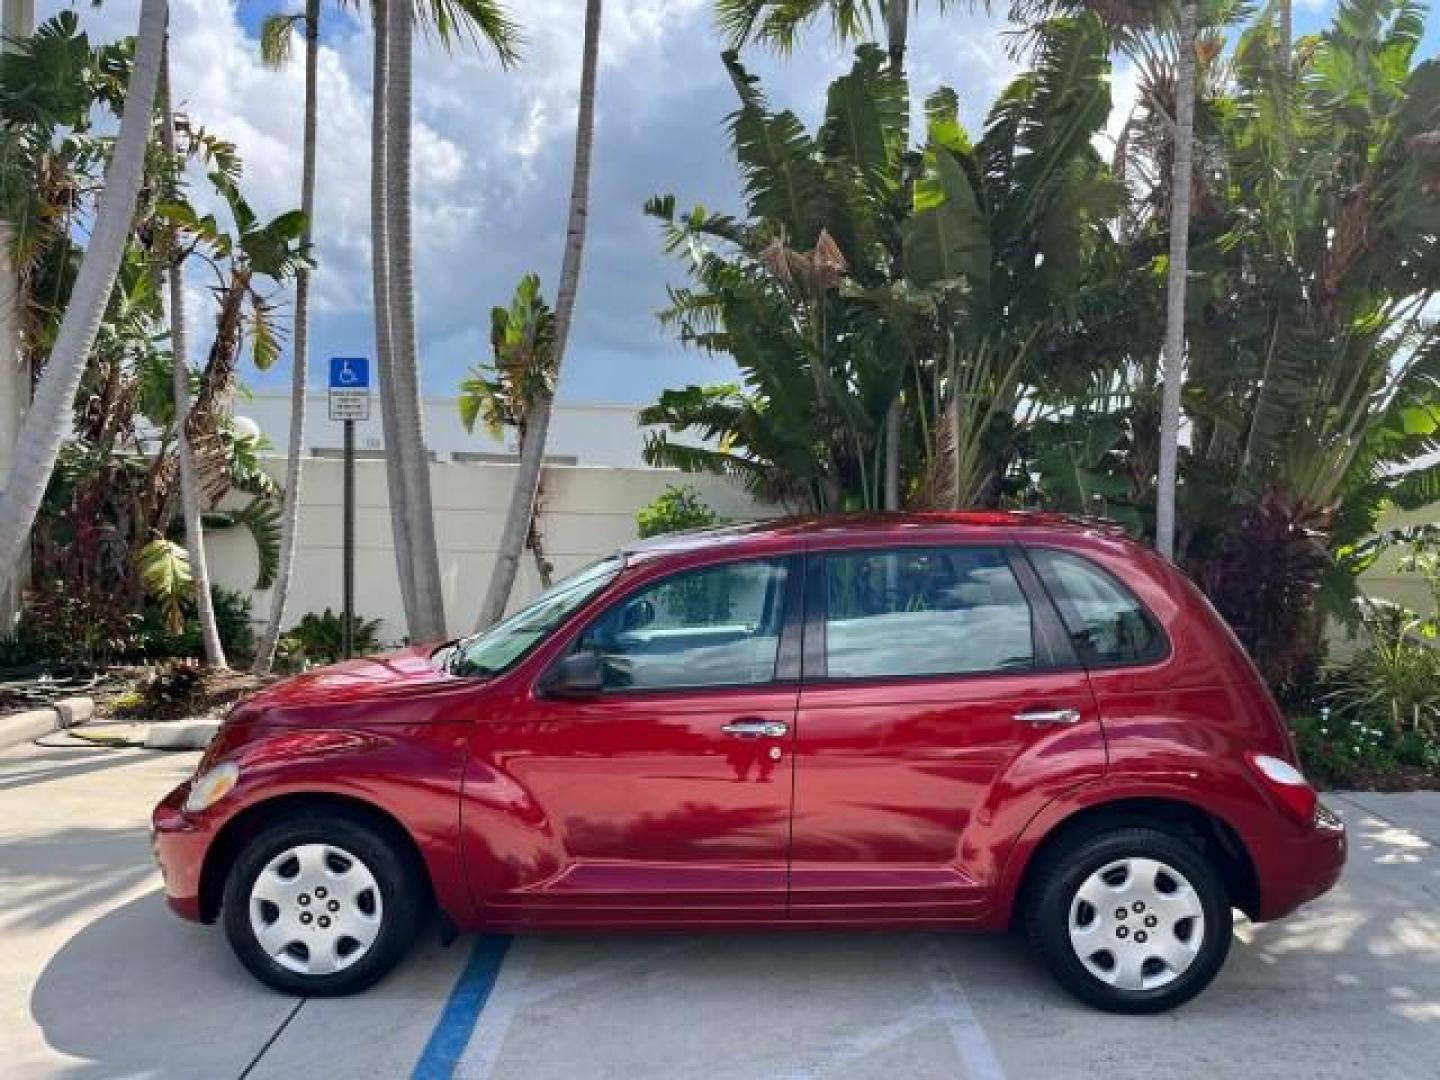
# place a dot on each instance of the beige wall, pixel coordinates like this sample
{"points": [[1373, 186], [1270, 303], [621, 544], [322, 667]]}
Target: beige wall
{"points": [[588, 512], [1383, 581]]}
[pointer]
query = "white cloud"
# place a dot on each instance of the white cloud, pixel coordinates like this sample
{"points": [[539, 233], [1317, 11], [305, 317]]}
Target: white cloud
{"points": [[1124, 93], [493, 155]]}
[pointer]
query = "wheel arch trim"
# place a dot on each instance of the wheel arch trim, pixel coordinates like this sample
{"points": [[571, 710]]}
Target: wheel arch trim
{"points": [[1149, 804], [222, 851]]}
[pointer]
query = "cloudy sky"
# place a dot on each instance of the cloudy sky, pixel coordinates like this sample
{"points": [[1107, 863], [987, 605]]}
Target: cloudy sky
{"points": [[492, 161]]}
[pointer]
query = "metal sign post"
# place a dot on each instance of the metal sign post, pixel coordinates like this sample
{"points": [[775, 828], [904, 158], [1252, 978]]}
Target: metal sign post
{"points": [[349, 402]]}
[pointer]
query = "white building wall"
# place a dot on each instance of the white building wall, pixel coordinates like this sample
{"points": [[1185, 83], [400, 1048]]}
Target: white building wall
{"points": [[582, 434], [588, 513]]}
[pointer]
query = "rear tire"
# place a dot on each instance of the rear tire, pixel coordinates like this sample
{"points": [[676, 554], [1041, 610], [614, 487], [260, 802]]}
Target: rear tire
{"points": [[1134, 920], [323, 906]]}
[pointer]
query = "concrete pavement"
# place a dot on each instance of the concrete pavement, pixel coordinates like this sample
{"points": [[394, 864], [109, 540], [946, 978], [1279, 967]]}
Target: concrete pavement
{"points": [[98, 980]]}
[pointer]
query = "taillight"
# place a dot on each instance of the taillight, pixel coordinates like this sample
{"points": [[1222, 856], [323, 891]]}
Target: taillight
{"points": [[1288, 784]]}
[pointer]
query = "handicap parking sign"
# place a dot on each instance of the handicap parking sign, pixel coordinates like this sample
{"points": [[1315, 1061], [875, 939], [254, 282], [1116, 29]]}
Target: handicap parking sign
{"points": [[349, 373], [349, 388]]}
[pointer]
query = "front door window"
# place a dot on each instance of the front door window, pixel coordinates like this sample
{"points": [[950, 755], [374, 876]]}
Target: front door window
{"points": [[717, 626]]}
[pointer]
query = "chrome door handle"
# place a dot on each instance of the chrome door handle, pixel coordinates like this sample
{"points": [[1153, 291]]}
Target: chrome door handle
{"points": [[1048, 716], [756, 729]]}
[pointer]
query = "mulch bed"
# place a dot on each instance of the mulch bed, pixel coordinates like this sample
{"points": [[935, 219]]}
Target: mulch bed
{"points": [[210, 692], [1390, 778]]}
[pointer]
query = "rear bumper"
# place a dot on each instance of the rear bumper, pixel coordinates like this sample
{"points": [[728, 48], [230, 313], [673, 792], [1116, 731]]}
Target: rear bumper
{"points": [[179, 843], [1295, 869]]}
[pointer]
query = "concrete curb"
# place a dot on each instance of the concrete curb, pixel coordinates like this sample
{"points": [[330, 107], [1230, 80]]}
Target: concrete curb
{"points": [[30, 724], [182, 734], [23, 727], [75, 711]]}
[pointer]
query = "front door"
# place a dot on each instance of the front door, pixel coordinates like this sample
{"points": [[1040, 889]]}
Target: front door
{"points": [[937, 703], [666, 796]]}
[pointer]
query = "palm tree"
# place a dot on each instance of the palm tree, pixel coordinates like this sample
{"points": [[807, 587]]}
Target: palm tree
{"points": [[405, 364], [1173, 357], [50, 418], [380, 276], [504, 394], [997, 247], [401, 413], [777, 22], [527, 475], [19, 22], [275, 49], [180, 382]]}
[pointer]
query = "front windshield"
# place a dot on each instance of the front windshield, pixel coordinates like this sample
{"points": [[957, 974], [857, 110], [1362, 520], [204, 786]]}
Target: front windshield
{"points": [[494, 650]]}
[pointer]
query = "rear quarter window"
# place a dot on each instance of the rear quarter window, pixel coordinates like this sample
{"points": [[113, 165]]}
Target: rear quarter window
{"points": [[1106, 621]]}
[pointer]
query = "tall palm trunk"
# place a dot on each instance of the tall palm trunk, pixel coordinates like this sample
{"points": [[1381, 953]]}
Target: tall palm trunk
{"points": [[384, 356], [1173, 359], [299, 378], [897, 27], [18, 23], [49, 420], [532, 454], [429, 599], [180, 381]]}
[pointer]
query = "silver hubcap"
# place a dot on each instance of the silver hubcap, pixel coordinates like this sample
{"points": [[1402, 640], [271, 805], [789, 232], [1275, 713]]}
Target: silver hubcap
{"points": [[1137, 924], [315, 909]]}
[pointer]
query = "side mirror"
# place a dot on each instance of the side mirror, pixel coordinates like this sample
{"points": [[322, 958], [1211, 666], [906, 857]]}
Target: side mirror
{"points": [[581, 674]]}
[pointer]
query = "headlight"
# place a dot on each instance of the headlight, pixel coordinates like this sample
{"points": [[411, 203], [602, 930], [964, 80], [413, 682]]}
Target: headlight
{"points": [[210, 787]]}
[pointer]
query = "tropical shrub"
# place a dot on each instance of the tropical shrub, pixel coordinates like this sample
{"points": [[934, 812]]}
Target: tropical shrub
{"points": [[1380, 709], [674, 510], [108, 526], [165, 691], [868, 276], [68, 622], [162, 638], [318, 638]]}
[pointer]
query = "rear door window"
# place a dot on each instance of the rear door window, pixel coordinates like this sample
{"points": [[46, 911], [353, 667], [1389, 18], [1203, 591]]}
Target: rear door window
{"points": [[924, 611], [1106, 621]]}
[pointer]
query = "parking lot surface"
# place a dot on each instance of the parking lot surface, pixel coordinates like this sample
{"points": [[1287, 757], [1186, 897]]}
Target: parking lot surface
{"points": [[97, 979]]}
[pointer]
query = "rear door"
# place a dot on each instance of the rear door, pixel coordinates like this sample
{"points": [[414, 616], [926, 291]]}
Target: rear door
{"points": [[940, 700]]}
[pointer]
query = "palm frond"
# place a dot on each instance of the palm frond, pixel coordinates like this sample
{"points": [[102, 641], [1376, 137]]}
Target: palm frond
{"points": [[277, 36], [474, 23]]}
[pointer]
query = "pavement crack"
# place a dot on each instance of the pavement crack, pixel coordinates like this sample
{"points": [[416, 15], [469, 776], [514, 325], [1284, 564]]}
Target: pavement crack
{"points": [[274, 1036]]}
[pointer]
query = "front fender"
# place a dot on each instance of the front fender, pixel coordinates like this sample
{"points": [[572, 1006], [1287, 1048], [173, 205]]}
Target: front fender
{"points": [[411, 774]]}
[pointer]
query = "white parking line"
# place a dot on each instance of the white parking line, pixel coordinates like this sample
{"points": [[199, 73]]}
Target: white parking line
{"points": [[966, 1031], [509, 997], [518, 989]]}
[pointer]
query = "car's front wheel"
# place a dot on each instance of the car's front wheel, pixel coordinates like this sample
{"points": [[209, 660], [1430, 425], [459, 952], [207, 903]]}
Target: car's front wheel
{"points": [[1134, 920], [321, 906]]}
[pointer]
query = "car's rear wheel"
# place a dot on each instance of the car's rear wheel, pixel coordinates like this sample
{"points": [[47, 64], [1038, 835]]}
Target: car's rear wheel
{"points": [[321, 907], [1134, 920]]}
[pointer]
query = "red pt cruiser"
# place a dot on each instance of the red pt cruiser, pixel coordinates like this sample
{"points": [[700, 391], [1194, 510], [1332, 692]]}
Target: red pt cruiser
{"points": [[938, 721]]}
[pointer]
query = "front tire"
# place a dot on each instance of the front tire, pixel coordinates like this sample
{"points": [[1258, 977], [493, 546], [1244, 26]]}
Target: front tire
{"points": [[321, 907], [1132, 921]]}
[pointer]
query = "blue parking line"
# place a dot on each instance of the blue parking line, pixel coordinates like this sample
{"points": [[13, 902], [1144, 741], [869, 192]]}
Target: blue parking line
{"points": [[462, 1009]]}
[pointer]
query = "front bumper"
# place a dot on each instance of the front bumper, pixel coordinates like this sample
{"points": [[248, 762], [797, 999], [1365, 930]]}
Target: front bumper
{"points": [[1295, 869], [179, 843]]}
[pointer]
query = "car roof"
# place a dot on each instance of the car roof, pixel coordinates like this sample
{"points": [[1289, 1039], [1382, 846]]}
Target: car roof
{"points": [[789, 533]]}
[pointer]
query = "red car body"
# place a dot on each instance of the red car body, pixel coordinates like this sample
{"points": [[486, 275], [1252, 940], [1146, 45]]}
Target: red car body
{"points": [[905, 802]]}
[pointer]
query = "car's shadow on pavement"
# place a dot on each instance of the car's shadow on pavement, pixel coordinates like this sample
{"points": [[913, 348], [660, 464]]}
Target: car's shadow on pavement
{"points": [[1349, 986], [139, 992]]}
